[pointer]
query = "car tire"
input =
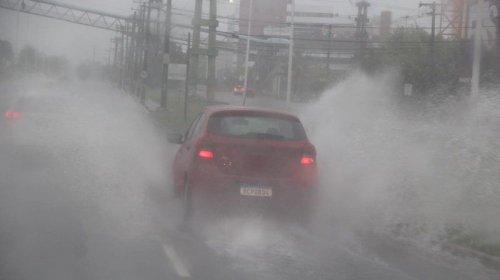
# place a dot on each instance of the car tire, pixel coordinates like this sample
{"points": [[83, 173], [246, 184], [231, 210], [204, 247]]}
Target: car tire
{"points": [[186, 202]]}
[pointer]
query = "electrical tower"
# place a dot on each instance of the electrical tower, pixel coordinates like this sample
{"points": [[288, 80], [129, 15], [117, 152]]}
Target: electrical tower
{"points": [[210, 52], [433, 28], [69, 13], [452, 18], [361, 22]]}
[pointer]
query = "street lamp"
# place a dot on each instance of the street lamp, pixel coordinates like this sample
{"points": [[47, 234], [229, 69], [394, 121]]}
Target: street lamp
{"points": [[245, 83]]}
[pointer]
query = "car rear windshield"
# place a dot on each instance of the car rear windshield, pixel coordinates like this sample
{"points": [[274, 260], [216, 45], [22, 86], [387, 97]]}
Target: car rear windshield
{"points": [[256, 125]]}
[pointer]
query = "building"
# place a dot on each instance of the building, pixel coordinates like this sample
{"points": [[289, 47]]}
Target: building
{"points": [[385, 24], [264, 13], [490, 15], [324, 40]]}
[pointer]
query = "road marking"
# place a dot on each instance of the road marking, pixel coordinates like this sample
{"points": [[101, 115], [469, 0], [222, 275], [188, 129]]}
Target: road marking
{"points": [[179, 267]]}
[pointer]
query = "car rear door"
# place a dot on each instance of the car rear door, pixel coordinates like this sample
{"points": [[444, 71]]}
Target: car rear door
{"points": [[184, 157]]}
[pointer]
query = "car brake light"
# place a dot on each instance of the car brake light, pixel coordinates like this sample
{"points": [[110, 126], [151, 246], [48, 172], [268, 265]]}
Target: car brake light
{"points": [[307, 160], [11, 115], [308, 155], [205, 153]]}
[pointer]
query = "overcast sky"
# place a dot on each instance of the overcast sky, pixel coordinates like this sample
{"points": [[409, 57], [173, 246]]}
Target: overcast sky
{"points": [[78, 42]]}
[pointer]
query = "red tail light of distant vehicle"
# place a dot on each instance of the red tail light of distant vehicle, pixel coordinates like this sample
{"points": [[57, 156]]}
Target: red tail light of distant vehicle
{"points": [[12, 115]]}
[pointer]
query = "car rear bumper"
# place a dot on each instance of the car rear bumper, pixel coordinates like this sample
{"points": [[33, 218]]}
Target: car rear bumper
{"points": [[226, 191], [241, 92]]}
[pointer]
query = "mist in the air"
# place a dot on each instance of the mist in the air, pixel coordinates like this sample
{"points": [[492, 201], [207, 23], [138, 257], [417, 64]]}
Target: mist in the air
{"points": [[413, 171], [77, 193], [78, 198]]}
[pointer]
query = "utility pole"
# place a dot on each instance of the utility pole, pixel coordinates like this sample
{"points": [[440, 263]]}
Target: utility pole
{"points": [[211, 52], [406, 21], [361, 21], [138, 50], [195, 50], [497, 42], [144, 73], [186, 82], [476, 60], [328, 51], [132, 53], [158, 22], [122, 58], [247, 53], [109, 55], [431, 64], [433, 28], [166, 55], [115, 59], [290, 55], [18, 30]]}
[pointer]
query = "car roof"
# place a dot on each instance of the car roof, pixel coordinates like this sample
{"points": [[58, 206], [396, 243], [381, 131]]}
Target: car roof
{"points": [[234, 108]]}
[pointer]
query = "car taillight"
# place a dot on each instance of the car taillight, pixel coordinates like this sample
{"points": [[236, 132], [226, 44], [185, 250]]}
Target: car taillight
{"points": [[307, 160], [205, 153], [12, 115], [308, 155]]}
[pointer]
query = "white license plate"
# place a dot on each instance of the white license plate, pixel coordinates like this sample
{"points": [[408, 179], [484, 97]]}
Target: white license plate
{"points": [[256, 191]]}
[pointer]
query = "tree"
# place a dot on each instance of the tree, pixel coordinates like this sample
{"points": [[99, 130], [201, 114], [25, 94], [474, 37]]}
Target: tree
{"points": [[410, 51], [6, 54], [29, 57]]}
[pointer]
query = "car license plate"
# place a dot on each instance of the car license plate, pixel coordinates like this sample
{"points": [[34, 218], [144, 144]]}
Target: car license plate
{"points": [[256, 191]]}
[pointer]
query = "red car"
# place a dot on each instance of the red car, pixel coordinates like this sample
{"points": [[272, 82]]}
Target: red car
{"points": [[240, 90], [242, 155]]}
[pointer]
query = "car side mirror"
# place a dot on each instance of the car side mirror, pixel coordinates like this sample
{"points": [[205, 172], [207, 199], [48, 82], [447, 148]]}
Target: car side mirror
{"points": [[175, 138]]}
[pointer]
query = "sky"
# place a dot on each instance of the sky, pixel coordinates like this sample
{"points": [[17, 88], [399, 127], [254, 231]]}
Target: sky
{"points": [[79, 43]]}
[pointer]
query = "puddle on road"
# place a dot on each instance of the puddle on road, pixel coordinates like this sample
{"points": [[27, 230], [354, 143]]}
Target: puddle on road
{"points": [[254, 245]]}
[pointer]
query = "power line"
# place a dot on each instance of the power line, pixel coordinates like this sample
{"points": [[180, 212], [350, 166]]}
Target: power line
{"points": [[387, 49], [236, 21]]}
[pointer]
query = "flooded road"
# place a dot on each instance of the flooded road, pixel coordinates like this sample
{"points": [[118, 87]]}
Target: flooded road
{"points": [[95, 202]]}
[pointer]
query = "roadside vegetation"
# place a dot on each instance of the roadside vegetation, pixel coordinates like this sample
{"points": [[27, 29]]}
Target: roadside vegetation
{"points": [[172, 118], [474, 242]]}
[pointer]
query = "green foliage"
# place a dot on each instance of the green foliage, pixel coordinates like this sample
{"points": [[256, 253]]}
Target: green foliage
{"points": [[31, 60], [459, 237], [6, 53], [155, 68], [173, 117], [409, 50], [29, 57]]}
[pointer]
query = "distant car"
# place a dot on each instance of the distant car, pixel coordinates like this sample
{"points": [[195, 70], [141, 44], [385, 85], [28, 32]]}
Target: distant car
{"points": [[33, 119], [241, 155], [240, 90]]}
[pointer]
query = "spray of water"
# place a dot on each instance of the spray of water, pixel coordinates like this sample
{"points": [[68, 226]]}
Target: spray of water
{"points": [[416, 171], [76, 188]]}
